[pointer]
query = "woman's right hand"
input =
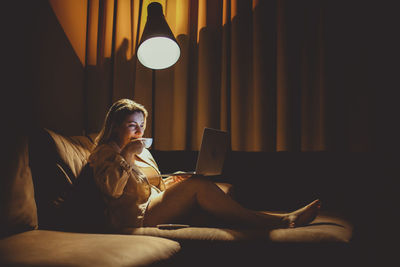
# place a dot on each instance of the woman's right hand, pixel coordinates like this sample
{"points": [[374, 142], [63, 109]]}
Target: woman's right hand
{"points": [[131, 149]]}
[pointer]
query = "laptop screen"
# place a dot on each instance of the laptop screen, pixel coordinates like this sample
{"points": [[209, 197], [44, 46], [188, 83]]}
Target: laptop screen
{"points": [[214, 146]]}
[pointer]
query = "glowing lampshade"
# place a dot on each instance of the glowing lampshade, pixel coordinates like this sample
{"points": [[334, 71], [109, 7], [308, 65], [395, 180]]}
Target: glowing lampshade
{"points": [[158, 48]]}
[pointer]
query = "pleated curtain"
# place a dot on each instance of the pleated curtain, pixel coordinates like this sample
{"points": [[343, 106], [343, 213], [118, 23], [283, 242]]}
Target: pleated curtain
{"points": [[255, 68]]}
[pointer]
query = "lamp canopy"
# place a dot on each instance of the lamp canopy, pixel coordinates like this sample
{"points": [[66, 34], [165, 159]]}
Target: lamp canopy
{"points": [[158, 48]]}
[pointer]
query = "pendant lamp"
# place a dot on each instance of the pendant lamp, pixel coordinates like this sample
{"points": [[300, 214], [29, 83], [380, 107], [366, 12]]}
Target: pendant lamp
{"points": [[158, 48]]}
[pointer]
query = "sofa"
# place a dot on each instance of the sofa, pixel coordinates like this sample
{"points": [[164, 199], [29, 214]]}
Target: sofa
{"points": [[51, 212]]}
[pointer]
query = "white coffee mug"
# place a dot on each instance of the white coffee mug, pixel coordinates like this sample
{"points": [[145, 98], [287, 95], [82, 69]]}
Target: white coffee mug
{"points": [[147, 142]]}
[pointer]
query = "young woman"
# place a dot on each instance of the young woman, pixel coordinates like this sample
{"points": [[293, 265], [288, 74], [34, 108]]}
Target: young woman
{"points": [[136, 195]]}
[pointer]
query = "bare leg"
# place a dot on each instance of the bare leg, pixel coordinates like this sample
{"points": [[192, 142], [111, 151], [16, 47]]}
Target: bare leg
{"points": [[181, 198]]}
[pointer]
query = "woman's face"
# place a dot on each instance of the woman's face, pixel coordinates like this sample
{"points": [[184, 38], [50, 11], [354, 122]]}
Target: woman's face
{"points": [[131, 128]]}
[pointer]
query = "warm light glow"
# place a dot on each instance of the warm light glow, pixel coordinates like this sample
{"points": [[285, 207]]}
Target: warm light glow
{"points": [[72, 17], [158, 53]]}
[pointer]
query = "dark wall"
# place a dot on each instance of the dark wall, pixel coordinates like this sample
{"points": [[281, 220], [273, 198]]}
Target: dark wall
{"points": [[361, 58], [346, 182], [44, 77]]}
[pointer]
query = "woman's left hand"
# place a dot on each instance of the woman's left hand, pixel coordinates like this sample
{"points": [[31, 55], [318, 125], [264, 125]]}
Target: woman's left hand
{"points": [[171, 180]]}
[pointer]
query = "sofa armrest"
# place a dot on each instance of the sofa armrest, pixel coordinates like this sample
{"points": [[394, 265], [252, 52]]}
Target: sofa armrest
{"points": [[54, 248]]}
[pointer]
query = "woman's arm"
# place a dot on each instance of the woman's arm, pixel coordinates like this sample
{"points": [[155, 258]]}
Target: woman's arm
{"points": [[171, 180], [111, 171], [152, 172]]}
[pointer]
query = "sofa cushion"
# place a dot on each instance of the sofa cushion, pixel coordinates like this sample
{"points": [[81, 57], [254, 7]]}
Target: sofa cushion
{"points": [[328, 228], [57, 162], [84, 207], [51, 182], [52, 248], [73, 151], [58, 159], [17, 203]]}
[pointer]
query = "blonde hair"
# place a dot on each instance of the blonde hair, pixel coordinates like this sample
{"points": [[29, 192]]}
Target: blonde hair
{"points": [[115, 116]]}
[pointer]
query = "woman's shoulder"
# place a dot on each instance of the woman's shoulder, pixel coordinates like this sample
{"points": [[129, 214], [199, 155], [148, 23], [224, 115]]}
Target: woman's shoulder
{"points": [[104, 151], [106, 147]]}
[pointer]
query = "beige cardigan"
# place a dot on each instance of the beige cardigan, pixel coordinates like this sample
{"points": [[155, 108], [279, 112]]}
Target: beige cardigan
{"points": [[126, 190]]}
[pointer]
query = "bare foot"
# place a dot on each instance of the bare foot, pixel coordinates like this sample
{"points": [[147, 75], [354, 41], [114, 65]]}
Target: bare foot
{"points": [[304, 215]]}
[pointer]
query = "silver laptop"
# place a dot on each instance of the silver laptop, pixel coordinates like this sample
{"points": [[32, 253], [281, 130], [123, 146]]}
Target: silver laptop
{"points": [[211, 157]]}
